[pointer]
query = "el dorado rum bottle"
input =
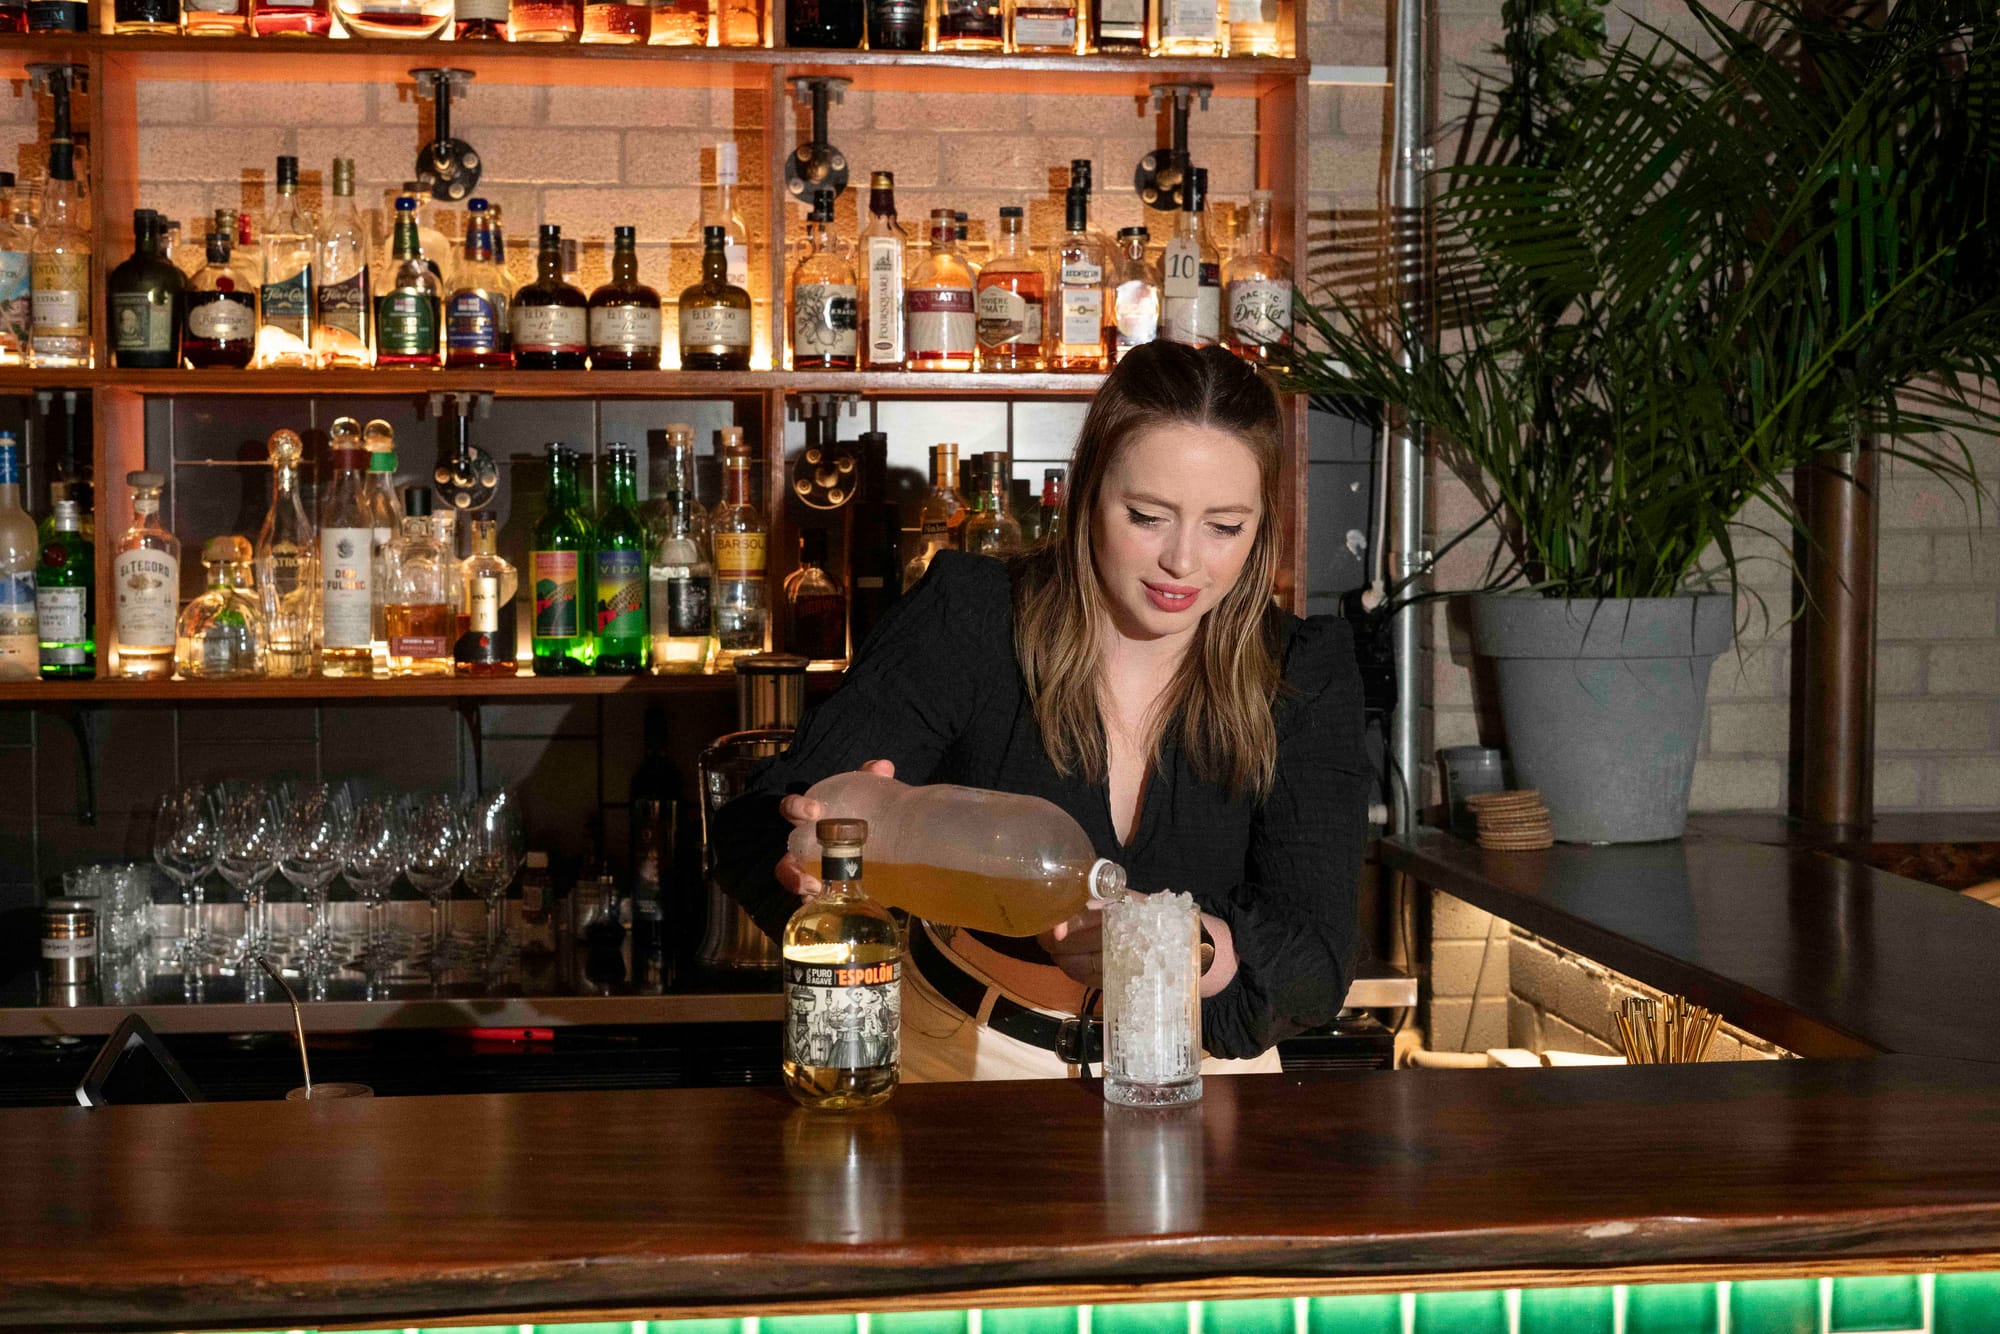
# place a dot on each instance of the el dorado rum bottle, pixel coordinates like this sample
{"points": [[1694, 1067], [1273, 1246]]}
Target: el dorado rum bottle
{"points": [[843, 984]]}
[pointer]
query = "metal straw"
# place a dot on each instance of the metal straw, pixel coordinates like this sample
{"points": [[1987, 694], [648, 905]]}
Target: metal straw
{"points": [[298, 1020]]}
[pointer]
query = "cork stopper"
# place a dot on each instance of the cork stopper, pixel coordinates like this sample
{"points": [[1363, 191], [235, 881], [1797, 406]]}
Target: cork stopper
{"points": [[841, 836]]}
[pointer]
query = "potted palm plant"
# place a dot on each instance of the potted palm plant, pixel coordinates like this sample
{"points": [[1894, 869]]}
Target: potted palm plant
{"points": [[1668, 275]]}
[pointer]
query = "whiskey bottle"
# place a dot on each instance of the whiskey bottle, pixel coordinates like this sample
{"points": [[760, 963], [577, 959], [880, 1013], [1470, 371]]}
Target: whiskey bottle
{"points": [[59, 269], [146, 572], [1258, 289], [836, 24], [475, 316], [843, 984], [1079, 339], [624, 313], [66, 599], [1135, 293], [558, 563], [1193, 28], [715, 313], [1118, 27], [145, 295], [1012, 301], [346, 564], [990, 530], [721, 212], [824, 298], [942, 318], [966, 25], [1044, 25], [740, 534], [284, 334], [406, 300], [287, 556], [621, 568], [615, 22], [815, 604], [485, 644], [551, 323], [417, 607], [883, 249], [342, 295], [681, 576], [941, 524], [680, 23], [544, 20], [1191, 304]]}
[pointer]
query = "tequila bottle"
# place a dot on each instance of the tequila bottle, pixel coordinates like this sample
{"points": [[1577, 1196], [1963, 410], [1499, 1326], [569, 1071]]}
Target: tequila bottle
{"points": [[146, 571], [1258, 289], [285, 298], [287, 556], [66, 598], [843, 984], [942, 521], [1012, 302], [347, 565], [559, 565], [486, 644], [824, 297], [681, 573], [1191, 308], [417, 605], [221, 633], [342, 295], [621, 570], [20, 548], [741, 532], [59, 270]]}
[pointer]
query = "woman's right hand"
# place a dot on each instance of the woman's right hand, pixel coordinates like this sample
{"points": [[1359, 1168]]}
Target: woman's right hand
{"points": [[804, 812]]}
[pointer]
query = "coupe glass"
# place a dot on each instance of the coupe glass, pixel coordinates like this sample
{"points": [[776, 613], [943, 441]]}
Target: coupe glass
{"points": [[251, 839], [316, 823], [184, 846], [377, 851], [494, 840], [437, 852]]}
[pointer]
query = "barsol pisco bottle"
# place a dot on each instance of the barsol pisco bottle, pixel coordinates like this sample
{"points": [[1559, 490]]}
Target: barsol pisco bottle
{"points": [[843, 984]]}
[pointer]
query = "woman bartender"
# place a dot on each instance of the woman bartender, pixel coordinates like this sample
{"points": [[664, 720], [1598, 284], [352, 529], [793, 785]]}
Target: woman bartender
{"points": [[1136, 673]]}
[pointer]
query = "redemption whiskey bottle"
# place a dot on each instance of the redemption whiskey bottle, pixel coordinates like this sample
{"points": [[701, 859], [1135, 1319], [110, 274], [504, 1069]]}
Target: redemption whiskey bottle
{"points": [[407, 304], [147, 574], [485, 644], [824, 297], [883, 247], [620, 566], [942, 309], [1135, 293], [1078, 341], [475, 318], [843, 984], [1013, 297], [715, 313], [346, 565], [681, 575], [145, 293], [1191, 305], [558, 562], [1258, 289], [740, 534], [551, 324], [624, 314], [341, 293], [59, 270], [284, 335]]}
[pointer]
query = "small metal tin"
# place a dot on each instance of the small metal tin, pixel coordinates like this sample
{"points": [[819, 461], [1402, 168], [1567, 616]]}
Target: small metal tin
{"points": [[69, 942]]}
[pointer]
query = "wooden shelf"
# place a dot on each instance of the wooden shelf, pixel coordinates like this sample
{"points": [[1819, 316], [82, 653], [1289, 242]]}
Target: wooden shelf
{"points": [[114, 691], [552, 384]]}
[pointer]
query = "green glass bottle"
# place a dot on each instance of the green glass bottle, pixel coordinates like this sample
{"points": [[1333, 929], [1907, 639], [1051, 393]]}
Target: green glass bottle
{"points": [[559, 565], [66, 598], [621, 568]]}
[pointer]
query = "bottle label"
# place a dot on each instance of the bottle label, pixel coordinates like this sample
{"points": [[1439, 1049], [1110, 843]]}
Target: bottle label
{"points": [[149, 583], [555, 595], [687, 607], [621, 595], [287, 302], [1136, 307], [344, 306], [884, 259], [1192, 311], [1082, 312], [1045, 25], [484, 613], [406, 323], [474, 320], [1192, 20], [14, 298], [58, 16], [418, 646], [936, 531], [20, 640], [59, 303], [824, 316], [843, 1016], [345, 558], [223, 321], [1123, 20], [550, 328], [739, 555], [625, 330], [1260, 310], [473, 11], [62, 614], [942, 321], [737, 256], [84, 947], [1008, 318], [484, 640], [213, 6], [140, 325], [706, 328]]}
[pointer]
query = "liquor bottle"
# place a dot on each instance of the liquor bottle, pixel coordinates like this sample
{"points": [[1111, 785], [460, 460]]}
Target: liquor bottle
{"points": [[385, 515], [681, 23], [247, 255], [550, 319], [715, 313], [409, 19], [559, 564], [476, 318], [825, 301], [17, 240], [135, 17], [941, 524], [624, 314], [815, 604], [621, 567], [145, 296], [1186, 28], [1135, 293], [13, 16], [479, 20], [215, 18], [875, 557], [1258, 289], [417, 603], [66, 599], [895, 25], [431, 242], [59, 270], [884, 246], [146, 572], [740, 534], [965, 25], [221, 633], [1191, 290], [1012, 302], [485, 644], [287, 556], [1254, 28], [740, 23], [544, 20], [615, 22], [843, 984], [990, 530], [219, 328], [58, 16], [20, 552], [406, 300], [1052, 505], [290, 18], [1045, 25], [836, 24], [722, 213], [284, 335], [1118, 27], [346, 563], [1080, 340], [343, 298], [681, 574], [941, 322]]}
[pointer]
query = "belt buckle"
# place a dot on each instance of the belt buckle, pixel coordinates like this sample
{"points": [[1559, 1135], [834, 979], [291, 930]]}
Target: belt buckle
{"points": [[1080, 1042]]}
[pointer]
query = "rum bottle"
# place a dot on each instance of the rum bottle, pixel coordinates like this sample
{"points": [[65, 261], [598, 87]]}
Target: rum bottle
{"points": [[1078, 341], [475, 316], [624, 313], [558, 563], [341, 293], [551, 320], [1258, 289], [884, 246], [942, 310], [145, 298], [1135, 294], [485, 645], [146, 572], [824, 297], [407, 302], [1012, 302], [1191, 305], [66, 599], [620, 567], [285, 297], [740, 533], [843, 984], [417, 605], [59, 269], [681, 577], [347, 565], [715, 313]]}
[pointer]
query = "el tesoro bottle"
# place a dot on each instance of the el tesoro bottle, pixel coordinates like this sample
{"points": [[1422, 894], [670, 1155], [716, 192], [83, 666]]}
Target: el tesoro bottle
{"points": [[843, 957], [146, 572]]}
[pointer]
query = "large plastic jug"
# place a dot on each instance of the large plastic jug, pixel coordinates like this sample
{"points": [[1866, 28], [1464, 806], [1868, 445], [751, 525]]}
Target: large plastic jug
{"points": [[961, 856]]}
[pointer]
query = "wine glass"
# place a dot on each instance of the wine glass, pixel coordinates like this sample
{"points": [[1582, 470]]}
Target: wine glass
{"points": [[251, 839], [376, 852], [437, 852], [315, 825], [493, 854], [184, 846]]}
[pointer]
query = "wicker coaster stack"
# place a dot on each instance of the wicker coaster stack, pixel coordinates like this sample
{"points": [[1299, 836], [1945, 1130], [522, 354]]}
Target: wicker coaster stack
{"points": [[1512, 821]]}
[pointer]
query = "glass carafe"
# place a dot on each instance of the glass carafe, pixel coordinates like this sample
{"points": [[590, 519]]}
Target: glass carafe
{"points": [[221, 633]]}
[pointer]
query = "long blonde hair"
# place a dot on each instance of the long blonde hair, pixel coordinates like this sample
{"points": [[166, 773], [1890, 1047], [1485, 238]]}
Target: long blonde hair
{"points": [[1218, 704]]}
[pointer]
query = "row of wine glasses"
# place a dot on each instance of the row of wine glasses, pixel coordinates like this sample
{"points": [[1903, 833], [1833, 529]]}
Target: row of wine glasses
{"points": [[314, 833]]}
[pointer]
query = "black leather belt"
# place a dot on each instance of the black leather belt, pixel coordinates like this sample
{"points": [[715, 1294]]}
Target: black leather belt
{"points": [[1076, 1041]]}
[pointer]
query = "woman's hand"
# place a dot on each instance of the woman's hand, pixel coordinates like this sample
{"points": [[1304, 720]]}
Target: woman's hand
{"points": [[805, 812], [1077, 945]]}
